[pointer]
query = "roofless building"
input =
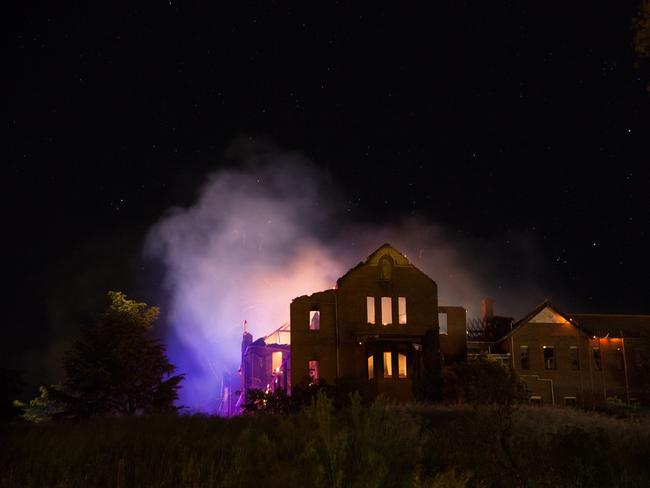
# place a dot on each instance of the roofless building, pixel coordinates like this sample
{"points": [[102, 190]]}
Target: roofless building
{"points": [[370, 330]]}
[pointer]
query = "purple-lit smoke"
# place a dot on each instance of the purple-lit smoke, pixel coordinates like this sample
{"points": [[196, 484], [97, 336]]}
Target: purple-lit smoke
{"points": [[258, 236], [247, 246]]}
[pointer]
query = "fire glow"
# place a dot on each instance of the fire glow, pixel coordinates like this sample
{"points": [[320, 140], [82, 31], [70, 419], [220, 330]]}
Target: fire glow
{"points": [[257, 237]]}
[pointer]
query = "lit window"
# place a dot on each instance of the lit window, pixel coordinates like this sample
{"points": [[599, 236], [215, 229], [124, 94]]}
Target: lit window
{"points": [[401, 309], [574, 358], [371, 367], [596, 354], [388, 364], [314, 371], [401, 365], [525, 357], [314, 320], [370, 309], [386, 311], [276, 361], [442, 322], [549, 357]]}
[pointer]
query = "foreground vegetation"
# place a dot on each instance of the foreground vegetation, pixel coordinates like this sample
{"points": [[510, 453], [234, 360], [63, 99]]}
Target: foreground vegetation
{"points": [[433, 446]]}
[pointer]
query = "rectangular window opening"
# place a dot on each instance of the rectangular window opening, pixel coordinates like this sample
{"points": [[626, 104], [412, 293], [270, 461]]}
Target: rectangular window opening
{"points": [[371, 367], [386, 311], [574, 358], [314, 371], [401, 309], [442, 323], [314, 320], [401, 365], [370, 309], [388, 364], [596, 355], [549, 357], [620, 362], [276, 361], [524, 357]]}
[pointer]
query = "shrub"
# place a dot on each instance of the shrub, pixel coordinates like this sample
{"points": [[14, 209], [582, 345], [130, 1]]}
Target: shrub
{"points": [[482, 381], [357, 446]]}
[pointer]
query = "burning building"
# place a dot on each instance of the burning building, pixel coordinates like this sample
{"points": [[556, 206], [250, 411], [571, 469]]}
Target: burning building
{"points": [[265, 363], [370, 330]]}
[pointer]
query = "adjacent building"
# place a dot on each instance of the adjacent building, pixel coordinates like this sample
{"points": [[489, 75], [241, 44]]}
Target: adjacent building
{"points": [[578, 359]]}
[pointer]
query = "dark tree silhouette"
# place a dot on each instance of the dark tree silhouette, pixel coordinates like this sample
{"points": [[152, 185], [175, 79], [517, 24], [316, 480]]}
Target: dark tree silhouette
{"points": [[11, 384], [482, 381], [115, 367]]}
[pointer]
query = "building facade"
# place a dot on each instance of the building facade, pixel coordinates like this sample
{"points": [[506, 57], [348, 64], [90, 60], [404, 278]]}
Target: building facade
{"points": [[373, 330], [369, 331], [265, 365], [578, 359]]}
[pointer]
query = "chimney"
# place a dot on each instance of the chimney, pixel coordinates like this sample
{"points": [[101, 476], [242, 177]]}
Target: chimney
{"points": [[487, 306], [247, 339]]}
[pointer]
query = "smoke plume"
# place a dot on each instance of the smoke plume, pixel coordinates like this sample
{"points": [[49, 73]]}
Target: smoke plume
{"points": [[260, 233]]}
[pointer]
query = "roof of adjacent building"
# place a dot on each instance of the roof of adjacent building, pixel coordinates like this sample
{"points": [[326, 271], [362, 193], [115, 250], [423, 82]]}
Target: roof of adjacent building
{"points": [[600, 325], [613, 324]]}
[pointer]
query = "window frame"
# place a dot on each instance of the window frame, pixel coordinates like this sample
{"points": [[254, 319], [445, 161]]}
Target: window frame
{"points": [[446, 322], [620, 358], [312, 314], [401, 311], [554, 358], [388, 365], [574, 358], [524, 366], [596, 357], [389, 302], [402, 356], [316, 377], [370, 366], [370, 304], [275, 367]]}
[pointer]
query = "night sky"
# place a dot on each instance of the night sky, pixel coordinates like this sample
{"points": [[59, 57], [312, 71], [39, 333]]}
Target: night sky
{"points": [[491, 119]]}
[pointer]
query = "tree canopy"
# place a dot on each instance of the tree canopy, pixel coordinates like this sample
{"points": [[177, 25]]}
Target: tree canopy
{"points": [[115, 367], [11, 384]]}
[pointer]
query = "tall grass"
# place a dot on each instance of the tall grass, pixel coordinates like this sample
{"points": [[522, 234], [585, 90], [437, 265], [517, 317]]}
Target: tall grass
{"points": [[377, 446]]}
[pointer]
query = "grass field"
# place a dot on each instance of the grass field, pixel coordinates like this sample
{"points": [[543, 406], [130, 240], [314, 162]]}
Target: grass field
{"points": [[432, 446]]}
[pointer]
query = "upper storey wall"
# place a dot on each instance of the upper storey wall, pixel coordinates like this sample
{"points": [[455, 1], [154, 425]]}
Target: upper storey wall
{"points": [[387, 275]]}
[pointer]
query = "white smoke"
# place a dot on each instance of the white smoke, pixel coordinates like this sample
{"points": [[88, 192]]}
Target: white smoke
{"points": [[259, 235]]}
